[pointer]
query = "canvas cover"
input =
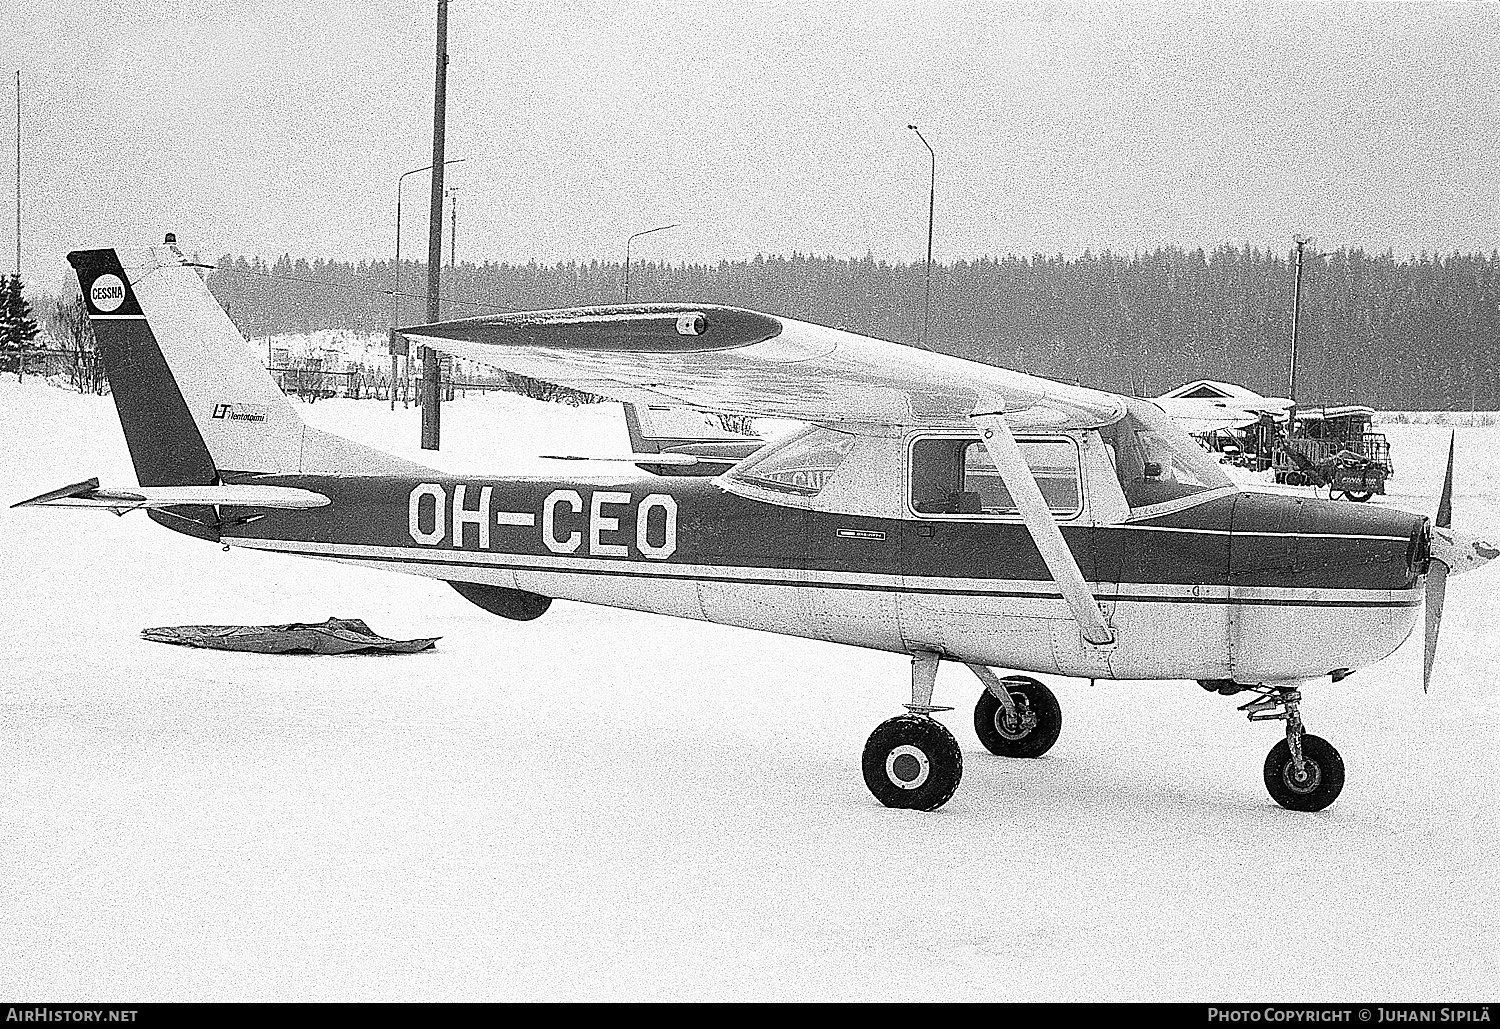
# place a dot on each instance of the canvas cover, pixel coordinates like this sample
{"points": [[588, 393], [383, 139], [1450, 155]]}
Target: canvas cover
{"points": [[335, 636]]}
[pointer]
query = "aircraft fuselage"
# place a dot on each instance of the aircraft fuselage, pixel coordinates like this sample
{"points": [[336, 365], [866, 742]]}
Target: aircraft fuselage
{"points": [[1249, 587]]}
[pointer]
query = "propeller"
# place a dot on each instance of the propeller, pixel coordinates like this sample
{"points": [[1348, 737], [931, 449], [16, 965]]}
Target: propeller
{"points": [[1452, 553], [1437, 574]]}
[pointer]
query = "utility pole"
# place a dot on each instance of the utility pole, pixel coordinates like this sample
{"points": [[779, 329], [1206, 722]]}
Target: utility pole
{"points": [[431, 362], [931, 204], [18, 172], [21, 344], [1291, 384]]}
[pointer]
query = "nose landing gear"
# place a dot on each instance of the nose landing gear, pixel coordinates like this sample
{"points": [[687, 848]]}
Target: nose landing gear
{"points": [[1302, 772]]}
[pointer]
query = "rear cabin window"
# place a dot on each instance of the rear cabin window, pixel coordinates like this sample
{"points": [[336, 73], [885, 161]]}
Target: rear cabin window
{"points": [[951, 475], [801, 466]]}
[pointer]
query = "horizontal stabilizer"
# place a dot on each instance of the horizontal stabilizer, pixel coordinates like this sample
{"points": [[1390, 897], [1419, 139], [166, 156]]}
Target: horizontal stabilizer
{"points": [[90, 494]]}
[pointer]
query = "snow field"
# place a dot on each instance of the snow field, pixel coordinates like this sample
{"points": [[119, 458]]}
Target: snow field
{"points": [[603, 804]]}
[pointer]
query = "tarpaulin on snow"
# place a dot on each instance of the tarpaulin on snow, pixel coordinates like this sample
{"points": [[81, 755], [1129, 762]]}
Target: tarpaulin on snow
{"points": [[335, 636]]}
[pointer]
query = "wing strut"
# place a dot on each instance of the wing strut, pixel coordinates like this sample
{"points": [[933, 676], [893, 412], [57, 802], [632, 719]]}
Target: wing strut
{"points": [[1006, 454]]}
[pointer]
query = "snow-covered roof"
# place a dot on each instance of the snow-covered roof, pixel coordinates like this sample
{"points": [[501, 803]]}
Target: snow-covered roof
{"points": [[1210, 389]]}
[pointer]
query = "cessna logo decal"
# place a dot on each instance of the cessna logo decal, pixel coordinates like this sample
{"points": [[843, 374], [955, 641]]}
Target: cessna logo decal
{"points": [[608, 523], [107, 293], [240, 412]]}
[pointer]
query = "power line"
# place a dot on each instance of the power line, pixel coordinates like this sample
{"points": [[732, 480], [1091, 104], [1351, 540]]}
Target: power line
{"points": [[18, 171]]}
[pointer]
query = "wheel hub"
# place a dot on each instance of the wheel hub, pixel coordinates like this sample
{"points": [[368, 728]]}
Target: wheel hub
{"points": [[907, 767], [1017, 726], [1307, 782]]}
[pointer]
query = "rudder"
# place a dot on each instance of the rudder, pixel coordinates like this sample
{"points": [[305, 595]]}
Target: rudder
{"points": [[195, 402], [165, 445]]}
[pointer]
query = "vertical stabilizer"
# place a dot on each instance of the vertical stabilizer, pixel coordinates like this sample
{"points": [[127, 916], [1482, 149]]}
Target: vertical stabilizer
{"points": [[194, 400]]}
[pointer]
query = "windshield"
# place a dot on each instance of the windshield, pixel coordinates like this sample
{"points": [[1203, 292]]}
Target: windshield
{"points": [[800, 466], [1155, 460]]}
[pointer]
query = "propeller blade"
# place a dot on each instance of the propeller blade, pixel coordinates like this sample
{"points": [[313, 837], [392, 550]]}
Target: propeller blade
{"points": [[1437, 585], [1437, 573], [1445, 502]]}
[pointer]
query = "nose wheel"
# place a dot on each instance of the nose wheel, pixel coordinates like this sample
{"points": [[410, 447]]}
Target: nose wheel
{"points": [[1302, 772], [1315, 785]]}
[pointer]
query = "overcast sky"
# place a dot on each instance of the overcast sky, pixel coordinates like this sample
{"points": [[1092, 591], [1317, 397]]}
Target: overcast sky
{"points": [[280, 126]]}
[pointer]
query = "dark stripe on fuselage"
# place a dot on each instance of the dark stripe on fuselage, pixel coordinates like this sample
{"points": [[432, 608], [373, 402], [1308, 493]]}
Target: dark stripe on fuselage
{"points": [[643, 571], [720, 529]]}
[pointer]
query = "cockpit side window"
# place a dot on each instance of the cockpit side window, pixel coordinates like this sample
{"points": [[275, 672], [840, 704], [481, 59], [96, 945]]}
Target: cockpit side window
{"points": [[954, 475]]}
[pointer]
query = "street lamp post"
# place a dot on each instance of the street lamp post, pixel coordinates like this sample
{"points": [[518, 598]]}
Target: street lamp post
{"points": [[628, 240], [396, 281], [931, 203]]}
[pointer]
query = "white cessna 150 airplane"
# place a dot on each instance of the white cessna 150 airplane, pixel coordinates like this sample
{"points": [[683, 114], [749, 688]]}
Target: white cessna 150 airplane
{"points": [[932, 507]]}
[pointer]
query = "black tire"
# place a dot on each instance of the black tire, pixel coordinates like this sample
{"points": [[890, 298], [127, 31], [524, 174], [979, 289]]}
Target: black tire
{"points": [[1358, 496], [1296, 479], [912, 762], [1040, 719], [1323, 780]]}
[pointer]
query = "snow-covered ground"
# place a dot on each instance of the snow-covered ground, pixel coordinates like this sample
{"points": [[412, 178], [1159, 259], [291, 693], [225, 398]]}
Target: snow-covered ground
{"points": [[602, 804]]}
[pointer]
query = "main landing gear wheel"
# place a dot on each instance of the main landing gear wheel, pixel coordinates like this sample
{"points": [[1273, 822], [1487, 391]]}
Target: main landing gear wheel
{"points": [[1359, 496], [1033, 728], [1316, 786], [912, 761]]}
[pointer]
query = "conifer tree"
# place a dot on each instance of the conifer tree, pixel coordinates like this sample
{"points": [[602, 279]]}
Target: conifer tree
{"points": [[19, 328], [9, 357], [1415, 332]]}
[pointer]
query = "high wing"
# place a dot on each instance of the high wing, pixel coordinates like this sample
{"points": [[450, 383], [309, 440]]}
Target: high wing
{"points": [[1202, 416], [743, 362]]}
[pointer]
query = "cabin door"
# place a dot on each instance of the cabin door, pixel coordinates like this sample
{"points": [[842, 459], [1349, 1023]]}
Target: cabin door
{"points": [[973, 584]]}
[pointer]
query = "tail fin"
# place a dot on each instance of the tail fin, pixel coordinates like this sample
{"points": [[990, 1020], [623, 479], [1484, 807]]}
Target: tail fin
{"points": [[194, 400]]}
